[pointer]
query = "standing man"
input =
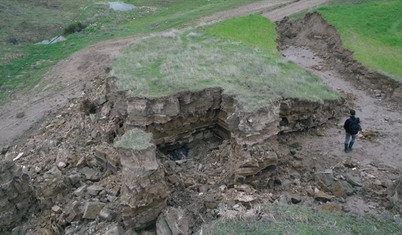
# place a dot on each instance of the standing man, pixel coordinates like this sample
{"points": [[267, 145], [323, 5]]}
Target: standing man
{"points": [[352, 127]]}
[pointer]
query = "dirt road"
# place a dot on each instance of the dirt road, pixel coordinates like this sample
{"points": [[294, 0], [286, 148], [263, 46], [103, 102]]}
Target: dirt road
{"points": [[68, 78], [384, 144]]}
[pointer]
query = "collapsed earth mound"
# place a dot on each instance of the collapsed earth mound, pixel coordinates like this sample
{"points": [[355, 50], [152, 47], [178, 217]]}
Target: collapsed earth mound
{"points": [[113, 162]]}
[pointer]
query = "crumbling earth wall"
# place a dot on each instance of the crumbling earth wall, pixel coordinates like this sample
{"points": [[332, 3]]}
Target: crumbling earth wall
{"points": [[314, 32], [85, 182]]}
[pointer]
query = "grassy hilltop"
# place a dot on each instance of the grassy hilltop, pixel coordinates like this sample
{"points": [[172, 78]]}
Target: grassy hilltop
{"points": [[238, 55]]}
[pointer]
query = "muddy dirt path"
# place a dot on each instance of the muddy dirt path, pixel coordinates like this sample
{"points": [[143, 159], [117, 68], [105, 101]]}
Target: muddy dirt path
{"points": [[290, 9], [380, 141], [68, 78]]}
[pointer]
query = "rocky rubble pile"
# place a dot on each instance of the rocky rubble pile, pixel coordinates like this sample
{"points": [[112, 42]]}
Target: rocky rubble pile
{"points": [[105, 165], [16, 198]]}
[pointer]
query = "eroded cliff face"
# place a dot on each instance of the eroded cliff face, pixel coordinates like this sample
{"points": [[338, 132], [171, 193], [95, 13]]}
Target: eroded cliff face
{"points": [[84, 181], [314, 32]]}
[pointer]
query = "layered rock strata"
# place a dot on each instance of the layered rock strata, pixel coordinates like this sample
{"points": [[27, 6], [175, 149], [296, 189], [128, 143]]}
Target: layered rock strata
{"points": [[16, 195], [144, 192]]}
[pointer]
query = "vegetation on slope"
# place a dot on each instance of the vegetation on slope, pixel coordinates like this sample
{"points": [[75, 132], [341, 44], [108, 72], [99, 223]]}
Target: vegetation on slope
{"points": [[300, 220], [23, 23], [171, 63], [253, 30], [373, 30], [135, 139]]}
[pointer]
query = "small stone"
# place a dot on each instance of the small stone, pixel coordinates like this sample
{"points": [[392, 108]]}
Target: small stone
{"points": [[295, 199], [162, 227], [20, 115], [349, 163], [310, 191], [92, 209], [131, 232], [386, 183], [4, 150], [283, 199], [324, 179], [378, 182], [330, 206], [94, 190], [74, 178], [211, 205], [245, 188], [81, 162], [321, 196], [354, 180], [61, 165], [74, 212], [106, 214], [189, 182], [90, 174], [298, 156], [222, 187], [342, 189], [114, 230], [204, 188], [56, 209], [80, 191], [173, 179]]}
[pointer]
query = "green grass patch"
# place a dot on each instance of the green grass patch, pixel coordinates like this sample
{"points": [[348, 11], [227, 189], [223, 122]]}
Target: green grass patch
{"points": [[22, 23], [135, 139], [254, 30], [373, 30], [165, 65], [300, 220]]}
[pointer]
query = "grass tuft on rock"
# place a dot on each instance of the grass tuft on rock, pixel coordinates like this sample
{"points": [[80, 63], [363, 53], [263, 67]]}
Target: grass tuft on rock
{"points": [[135, 139]]}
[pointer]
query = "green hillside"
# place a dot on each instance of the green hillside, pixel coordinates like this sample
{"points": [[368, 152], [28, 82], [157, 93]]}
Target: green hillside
{"points": [[373, 30]]}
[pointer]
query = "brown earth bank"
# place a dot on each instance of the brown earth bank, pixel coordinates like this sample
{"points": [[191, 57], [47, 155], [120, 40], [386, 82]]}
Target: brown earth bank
{"points": [[315, 33], [206, 158]]}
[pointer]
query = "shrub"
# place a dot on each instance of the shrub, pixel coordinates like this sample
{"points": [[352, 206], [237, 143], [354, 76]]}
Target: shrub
{"points": [[73, 28]]}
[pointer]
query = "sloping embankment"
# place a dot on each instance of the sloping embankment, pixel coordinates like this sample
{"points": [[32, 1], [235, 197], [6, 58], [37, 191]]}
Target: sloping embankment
{"points": [[317, 34]]}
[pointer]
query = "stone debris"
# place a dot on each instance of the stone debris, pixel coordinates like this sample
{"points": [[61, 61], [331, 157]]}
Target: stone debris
{"points": [[321, 196], [20, 115], [16, 195], [172, 221], [75, 177], [92, 209]]}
